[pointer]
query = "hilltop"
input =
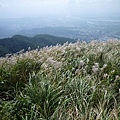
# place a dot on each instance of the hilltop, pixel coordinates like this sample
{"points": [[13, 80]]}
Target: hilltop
{"points": [[19, 42], [77, 81]]}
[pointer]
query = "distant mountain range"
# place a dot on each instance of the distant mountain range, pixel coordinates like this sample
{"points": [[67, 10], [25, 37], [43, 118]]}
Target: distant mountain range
{"points": [[19, 42]]}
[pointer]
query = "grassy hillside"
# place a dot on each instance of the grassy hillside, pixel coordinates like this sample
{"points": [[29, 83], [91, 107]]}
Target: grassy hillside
{"points": [[18, 42], [79, 81]]}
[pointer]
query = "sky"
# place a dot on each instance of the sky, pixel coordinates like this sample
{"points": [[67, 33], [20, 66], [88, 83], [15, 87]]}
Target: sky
{"points": [[38, 8]]}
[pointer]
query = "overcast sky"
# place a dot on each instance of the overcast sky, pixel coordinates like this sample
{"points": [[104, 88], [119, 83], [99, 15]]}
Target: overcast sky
{"points": [[37, 8]]}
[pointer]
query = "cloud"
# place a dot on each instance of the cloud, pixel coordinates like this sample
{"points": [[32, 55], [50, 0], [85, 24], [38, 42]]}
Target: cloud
{"points": [[1, 5], [41, 2], [92, 1], [43, 7], [19, 3], [4, 5]]}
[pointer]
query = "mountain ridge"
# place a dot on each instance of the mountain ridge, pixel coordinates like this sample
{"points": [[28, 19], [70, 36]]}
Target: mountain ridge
{"points": [[19, 42]]}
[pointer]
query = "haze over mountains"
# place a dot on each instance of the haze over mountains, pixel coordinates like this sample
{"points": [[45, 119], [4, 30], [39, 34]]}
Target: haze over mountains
{"points": [[76, 19], [72, 27], [81, 19]]}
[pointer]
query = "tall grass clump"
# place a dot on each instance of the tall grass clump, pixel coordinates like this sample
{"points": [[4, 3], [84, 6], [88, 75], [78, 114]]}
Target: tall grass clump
{"points": [[79, 81]]}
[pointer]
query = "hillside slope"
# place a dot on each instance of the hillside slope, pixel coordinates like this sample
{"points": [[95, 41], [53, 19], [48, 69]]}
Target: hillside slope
{"points": [[18, 42], [76, 81]]}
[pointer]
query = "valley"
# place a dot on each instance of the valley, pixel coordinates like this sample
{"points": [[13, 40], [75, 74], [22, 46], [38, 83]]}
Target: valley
{"points": [[71, 27]]}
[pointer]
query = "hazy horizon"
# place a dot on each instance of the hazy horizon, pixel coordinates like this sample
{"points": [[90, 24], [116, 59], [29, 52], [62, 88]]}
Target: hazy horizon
{"points": [[44, 8]]}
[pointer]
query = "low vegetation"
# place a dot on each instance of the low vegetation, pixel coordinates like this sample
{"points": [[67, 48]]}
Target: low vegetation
{"points": [[76, 81]]}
